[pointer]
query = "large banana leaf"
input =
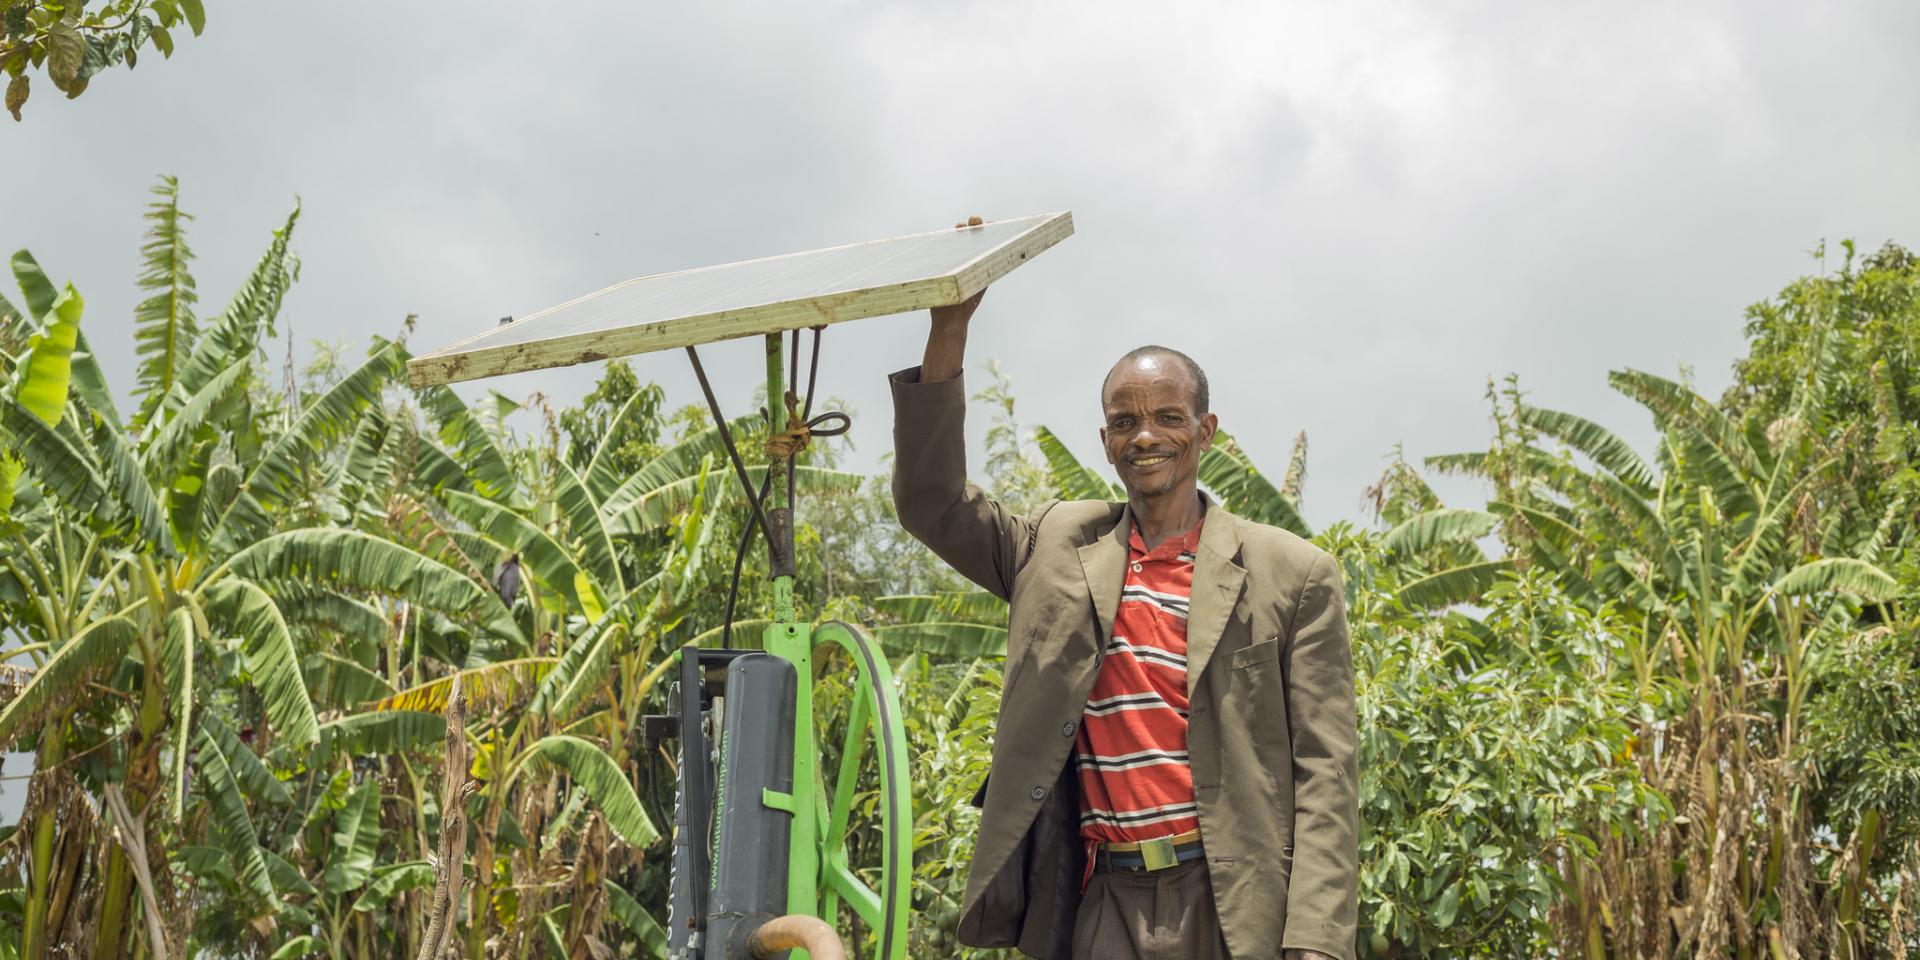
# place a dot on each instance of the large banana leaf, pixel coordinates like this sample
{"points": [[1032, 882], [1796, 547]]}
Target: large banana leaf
{"points": [[255, 779], [87, 380], [65, 467], [654, 508], [135, 496], [1071, 479], [539, 552], [272, 660], [432, 470], [1462, 584], [1674, 404], [286, 877], [943, 639], [391, 879], [177, 658], [338, 682], [493, 683], [364, 469], [386, 732], [1612, 500], [1706, 462], [358, 620], [636, 918], [57, 684], [1839, 575], [233, 338], [1243, 490], [586, 529], [40, 291], [964, 606], [297, 947], [163, 323], [324, 422], [1597, 442], [485, 465], [676, 463], [362, 561], [356, 839], [595, 772], [1447, 525], [600, 476], [233, 825], [47, 372], [1563, 535], [167, 445], [746, 633]]}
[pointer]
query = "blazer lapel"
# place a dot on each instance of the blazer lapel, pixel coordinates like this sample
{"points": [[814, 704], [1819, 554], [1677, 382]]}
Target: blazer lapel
{"points": [[1104, 561], [1217, 580]]}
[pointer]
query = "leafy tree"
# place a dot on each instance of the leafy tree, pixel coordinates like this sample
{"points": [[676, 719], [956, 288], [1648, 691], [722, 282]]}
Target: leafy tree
{"points": [[72, 43]]}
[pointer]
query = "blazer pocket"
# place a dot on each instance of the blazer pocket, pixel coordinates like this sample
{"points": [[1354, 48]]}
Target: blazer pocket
{"points": [[1263, 652]]}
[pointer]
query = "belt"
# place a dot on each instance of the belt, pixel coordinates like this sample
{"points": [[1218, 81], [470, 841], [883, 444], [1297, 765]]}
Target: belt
{"points": [[1150, 855]]}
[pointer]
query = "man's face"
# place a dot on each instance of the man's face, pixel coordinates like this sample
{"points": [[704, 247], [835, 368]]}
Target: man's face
{"points": [[1153, 436]]}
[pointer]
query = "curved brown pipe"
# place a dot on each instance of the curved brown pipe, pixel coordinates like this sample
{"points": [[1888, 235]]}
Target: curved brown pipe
{"points": [[796, 931]]}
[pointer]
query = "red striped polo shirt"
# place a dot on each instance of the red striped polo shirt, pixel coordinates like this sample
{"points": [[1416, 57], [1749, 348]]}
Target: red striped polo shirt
{"points": [[1131, 751]]}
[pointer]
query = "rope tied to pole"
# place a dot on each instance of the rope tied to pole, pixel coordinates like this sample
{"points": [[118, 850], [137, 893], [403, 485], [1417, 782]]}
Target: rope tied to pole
{"points": [[800, 431]]}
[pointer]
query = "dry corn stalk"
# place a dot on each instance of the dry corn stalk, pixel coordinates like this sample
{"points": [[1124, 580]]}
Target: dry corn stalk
{"points": [[444, 908]]}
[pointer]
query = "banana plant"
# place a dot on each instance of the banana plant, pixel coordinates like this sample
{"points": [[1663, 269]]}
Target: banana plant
{"points": [[1734, 614], [142, 569]]}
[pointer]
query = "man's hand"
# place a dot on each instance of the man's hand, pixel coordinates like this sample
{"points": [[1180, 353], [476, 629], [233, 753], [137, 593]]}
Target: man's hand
{"points": [[957, 314], [946, 349], [1305, 955], [947, 341]]}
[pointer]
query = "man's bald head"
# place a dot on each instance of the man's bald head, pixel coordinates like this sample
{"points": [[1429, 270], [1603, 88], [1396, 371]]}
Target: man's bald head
{"points": [[1157, 353]]}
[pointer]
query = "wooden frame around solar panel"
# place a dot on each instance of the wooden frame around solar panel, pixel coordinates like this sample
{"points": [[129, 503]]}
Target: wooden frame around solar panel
{"points": [[693, 307]]}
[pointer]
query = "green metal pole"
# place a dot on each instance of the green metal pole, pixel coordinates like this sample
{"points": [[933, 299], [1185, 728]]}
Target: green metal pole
{"points": [[780, 519], [792, 642]]}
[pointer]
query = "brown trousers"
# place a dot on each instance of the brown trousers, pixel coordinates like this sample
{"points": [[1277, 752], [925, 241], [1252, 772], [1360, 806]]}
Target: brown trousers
{"points": [[1163, 915]]}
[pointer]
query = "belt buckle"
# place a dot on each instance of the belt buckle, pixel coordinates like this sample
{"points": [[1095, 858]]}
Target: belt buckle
{"points": [[1158, 854]]}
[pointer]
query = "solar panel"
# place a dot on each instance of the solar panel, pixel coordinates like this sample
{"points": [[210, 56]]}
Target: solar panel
{"points": [[671, 310]]}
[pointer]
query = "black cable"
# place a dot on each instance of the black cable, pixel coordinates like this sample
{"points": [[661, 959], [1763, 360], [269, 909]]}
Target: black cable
{"points": [[726, 435], [813, 368], [793, 383], [739, 559], [757, 517]]}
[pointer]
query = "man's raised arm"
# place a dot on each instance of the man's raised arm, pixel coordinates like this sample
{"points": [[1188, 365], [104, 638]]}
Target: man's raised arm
{"points": [[971, 532]]}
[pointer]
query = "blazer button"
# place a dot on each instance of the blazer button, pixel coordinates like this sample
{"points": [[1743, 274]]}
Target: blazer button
{"points": [[1066, 729], [1039, 793]]}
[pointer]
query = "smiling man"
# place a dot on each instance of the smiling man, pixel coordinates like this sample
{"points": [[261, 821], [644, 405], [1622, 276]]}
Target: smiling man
{"points": [[1174, 770]]}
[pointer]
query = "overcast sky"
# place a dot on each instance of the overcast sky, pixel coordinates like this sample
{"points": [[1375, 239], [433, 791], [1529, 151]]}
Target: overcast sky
{"points": [[1352, 214]]}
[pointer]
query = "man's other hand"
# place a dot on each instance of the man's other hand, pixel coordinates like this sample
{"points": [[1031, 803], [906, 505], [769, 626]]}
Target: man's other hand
{"points": [[957, 313], [947, 339]]}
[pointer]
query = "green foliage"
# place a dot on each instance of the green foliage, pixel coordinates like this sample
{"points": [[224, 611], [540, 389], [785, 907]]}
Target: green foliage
{"points": [[365, 562], [595, 772], [356, 835], [48, 368], [89, 652], [73, 43], [1243, 489], [1635, 703], [164, 325], [1487, 758], [234, 826], [1071, 480]]}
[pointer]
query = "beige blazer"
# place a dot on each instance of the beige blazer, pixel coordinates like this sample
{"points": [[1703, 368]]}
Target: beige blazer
{"points": [[1272, 735]]}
